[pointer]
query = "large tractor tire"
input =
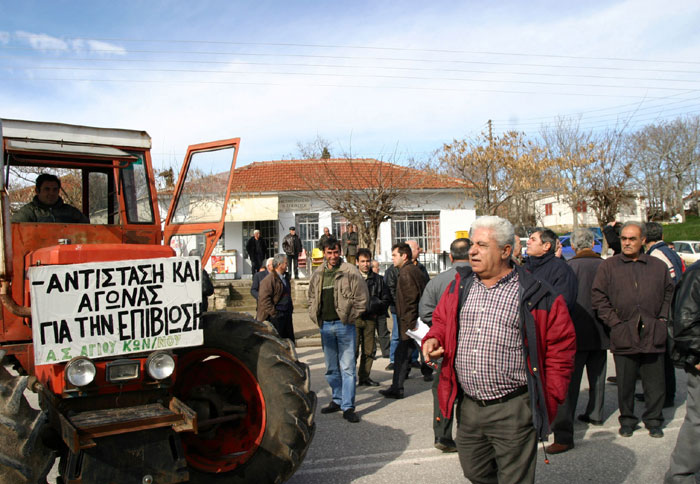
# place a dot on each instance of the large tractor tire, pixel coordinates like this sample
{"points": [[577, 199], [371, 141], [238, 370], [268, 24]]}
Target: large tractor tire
{"points": [[250, 387], [23, 456]]}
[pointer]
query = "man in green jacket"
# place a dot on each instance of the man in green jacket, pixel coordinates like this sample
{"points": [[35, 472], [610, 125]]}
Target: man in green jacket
{"points": [[47, 205], [337, 298]]}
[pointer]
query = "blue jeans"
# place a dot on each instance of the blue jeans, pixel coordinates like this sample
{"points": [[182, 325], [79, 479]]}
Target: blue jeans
{"points": [[338, 341], [395, 341]]}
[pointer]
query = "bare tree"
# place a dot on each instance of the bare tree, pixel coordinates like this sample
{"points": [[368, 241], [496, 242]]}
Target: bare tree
{"points": [[571, 152], [318, 148]]}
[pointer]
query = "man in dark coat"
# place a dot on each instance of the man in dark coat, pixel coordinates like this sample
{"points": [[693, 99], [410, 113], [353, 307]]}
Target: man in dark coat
{"points": [[544, 265], [275, 299], [632, 294], [592, 342], [48, 206], [258, 278], [291, 244], [379, 300], [257, 251], [350, 243], [409, 288], [326, 235], [685, 353]]}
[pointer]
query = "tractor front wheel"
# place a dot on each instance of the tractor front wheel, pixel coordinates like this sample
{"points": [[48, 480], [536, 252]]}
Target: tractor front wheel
{"points": [[254, 406]]}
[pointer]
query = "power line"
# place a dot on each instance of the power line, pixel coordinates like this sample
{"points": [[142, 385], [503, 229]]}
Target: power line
{"points": [[383, 48], [353, 75]]}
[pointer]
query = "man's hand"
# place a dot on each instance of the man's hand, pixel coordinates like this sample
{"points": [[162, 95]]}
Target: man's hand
{"points": [[697, 367], [432, 349]]}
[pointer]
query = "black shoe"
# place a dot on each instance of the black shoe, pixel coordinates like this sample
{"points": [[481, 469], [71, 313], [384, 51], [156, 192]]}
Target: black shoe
{"points": [[626, 431], [368, 383], [589, 420], [656, 432], [612, 379], [332, 407], [445, 445], [390, 366], [351, 416], [639, 397], [391, 393], [415, 364]]}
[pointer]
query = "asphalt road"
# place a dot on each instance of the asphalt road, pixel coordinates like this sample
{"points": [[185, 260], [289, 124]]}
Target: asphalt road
{"points": [[394, 441]]}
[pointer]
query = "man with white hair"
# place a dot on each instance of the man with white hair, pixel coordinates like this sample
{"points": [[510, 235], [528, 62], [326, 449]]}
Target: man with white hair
{"points": [[257, 251], [508, 347], [258, 278]]}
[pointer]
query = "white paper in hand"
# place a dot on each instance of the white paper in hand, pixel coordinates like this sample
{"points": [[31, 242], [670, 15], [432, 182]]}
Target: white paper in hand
{"points": [[419, 332]]}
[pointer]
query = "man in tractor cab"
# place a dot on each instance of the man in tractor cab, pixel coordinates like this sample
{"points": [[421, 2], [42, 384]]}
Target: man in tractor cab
{"points": [[48, 206]]}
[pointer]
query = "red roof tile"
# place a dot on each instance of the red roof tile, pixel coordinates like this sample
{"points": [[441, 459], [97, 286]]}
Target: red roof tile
{"points": [[342, 174]]}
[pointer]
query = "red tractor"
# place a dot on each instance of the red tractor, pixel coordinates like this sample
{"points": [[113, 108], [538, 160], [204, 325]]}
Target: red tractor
{"points": [[102, 320]]}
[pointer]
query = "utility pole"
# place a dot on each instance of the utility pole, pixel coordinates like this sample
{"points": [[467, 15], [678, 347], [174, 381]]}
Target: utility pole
{"points": [[490, 123]]}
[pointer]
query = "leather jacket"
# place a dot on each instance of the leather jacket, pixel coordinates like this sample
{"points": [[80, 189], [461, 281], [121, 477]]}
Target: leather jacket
{"points": [[684, 330]]}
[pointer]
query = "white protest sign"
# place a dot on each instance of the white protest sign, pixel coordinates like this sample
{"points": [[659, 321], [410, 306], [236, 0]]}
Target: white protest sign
{"points": [[105, 309]]}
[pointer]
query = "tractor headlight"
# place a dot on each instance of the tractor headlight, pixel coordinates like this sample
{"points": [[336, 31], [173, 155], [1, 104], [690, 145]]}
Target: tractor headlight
{"points": [[160, 365], [80, 372]]}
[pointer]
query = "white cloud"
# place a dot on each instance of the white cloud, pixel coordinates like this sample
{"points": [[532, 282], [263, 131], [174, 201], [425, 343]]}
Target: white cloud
{"points": [[42, 41], [4, 37]]}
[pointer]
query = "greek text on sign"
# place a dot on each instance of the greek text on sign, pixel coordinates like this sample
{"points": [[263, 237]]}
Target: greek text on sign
{"points": [[106, 309]]}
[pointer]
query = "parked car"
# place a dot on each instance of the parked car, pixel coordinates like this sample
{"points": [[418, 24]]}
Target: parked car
{"points": [[689, 250], [567, 252]]}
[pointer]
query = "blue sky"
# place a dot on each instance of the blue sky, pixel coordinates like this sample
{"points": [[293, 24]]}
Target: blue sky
{"points": [[391, 80]]}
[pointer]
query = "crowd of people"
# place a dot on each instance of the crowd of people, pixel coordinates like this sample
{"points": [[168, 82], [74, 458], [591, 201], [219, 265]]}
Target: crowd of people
{"points": [[510, 337]]}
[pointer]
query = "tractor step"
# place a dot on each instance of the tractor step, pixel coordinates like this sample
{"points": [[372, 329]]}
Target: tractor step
{"points": [[80, 430]]}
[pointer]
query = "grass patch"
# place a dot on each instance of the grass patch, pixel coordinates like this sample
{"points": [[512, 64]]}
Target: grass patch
{"points": [[690, 230]]}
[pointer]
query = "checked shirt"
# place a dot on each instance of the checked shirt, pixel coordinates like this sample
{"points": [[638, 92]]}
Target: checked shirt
{"points": [[489, 361]]}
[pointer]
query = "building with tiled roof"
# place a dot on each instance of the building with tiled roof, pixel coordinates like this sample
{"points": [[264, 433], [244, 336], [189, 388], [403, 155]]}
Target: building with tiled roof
{"points": [[274, 195]]}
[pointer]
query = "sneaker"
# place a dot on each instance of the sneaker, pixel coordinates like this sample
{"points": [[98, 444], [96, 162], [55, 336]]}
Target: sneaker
{"points": [[656, 432], [626, 431], [445, 445], [390, 366], [332, 407], [351, 416]]}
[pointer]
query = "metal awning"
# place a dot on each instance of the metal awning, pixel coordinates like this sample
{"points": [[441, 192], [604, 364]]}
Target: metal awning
{"points": [[47, 147], [252, 209]]}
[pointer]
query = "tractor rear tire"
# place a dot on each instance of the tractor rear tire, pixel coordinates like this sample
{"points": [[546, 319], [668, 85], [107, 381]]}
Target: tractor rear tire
{"points": [[23, 456], [243, 364]]}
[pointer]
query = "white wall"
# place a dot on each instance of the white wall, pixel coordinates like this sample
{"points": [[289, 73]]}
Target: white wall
{"points": [[452, 221]]}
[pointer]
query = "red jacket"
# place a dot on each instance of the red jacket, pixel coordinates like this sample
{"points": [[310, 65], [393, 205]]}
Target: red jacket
{"points": [[544, 319]]}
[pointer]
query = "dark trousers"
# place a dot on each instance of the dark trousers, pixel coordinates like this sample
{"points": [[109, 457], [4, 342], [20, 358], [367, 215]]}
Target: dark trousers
{"points": [[284, 325], [669, 378], [402, 363], [383, 336], [442, 426], [497, 444], [595, 363], [293, 261], [364, 345], [256, 264], [651, 369]]}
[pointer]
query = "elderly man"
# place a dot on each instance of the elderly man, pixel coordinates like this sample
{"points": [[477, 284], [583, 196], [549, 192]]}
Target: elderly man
{"points": [[459, 257], [258, 278], [291, 245], [275, 299], [632, 294], [257, 251], [337, 297], [508, 347], [47, 205], [544, 265], [685, 352], [409, 288], [350, 243], [326, 235], [592, 342]]}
